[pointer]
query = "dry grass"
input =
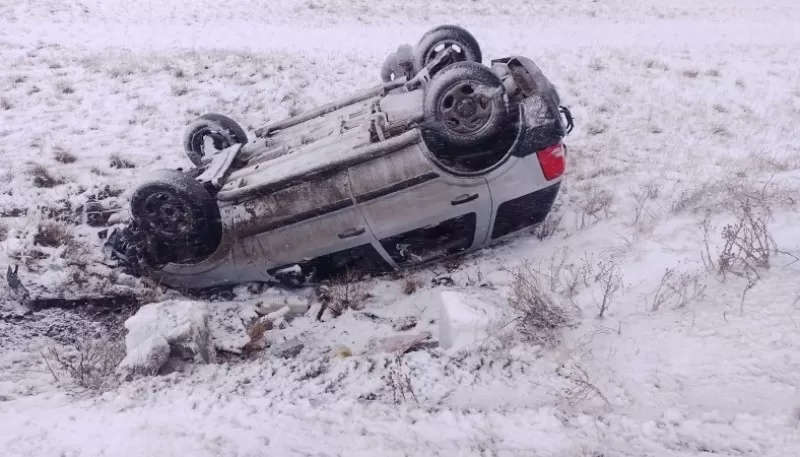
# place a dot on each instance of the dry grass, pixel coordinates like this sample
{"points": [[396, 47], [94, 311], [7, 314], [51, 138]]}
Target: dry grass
{"points": [[398, 382], [411, 284], [548, 226], [89, 363], [119, 162], [345, 292], [731, 192], [179, 89], [598, 202], [42, 177], [5, 104], [61, 155], [63, 86], [539, 317], [642, 197], [582, 389], [52, 234], [678, 289]]}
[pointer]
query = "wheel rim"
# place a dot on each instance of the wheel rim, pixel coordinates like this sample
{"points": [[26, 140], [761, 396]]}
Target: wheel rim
{"points": [[460, 52], [465, 108], [168, 216]]}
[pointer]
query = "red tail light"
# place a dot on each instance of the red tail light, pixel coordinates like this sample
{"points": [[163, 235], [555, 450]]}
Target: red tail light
{"points": [[553, 161]]}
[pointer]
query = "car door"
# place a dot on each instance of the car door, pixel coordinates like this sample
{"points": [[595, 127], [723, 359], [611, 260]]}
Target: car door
{"points": [[417, 212], [309, 220]]}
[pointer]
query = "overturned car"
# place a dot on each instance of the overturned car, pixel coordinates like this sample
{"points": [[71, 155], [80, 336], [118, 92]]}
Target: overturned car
{"points": [[446, 156]]}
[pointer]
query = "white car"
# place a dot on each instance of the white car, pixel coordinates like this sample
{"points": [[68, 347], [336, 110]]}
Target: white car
{"points": [[446, 156]]}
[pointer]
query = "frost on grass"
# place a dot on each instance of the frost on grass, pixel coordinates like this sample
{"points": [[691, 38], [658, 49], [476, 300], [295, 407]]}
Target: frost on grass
{"points": [[729, 193]]}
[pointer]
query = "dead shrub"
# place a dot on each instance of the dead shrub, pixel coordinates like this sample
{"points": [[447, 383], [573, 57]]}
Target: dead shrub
{"points": [[540, 318], [609, 279], [63, 156], [747, 244], [597, 201], [42, 177], [345, 292], [119, 162], [3, 232], [5, 104], [678, 289], [582, 389], [89, 363], [398, 382], [642, 196], [52, 234]]}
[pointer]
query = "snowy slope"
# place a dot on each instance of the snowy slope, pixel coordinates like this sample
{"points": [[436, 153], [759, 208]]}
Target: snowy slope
{"points": [[684, 111]]}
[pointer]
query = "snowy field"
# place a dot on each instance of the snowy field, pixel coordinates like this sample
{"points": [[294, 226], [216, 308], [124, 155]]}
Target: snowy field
{"points": [[687, 119]]}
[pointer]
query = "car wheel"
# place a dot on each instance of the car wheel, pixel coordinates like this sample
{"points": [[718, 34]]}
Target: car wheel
{"points": [[464, 105], [389, 68], [446, 36], [177, 212], [224, 132]]}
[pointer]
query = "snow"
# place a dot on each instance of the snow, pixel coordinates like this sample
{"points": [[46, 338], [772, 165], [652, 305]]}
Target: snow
{"points": [[684, 111], [464, 321], [183, 324]]}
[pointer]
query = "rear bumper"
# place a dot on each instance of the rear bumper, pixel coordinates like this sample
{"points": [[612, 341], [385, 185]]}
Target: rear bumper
{"points": [[524, 212]]}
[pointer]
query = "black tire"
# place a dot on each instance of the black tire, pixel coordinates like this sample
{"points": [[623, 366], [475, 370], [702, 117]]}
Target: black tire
{"points": [[176, 213], [405, 60], [464, 105], [224, 131], [446, 36]]}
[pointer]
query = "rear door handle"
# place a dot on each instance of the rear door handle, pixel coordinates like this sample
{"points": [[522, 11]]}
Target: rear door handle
{"points": [[351, 232], [466, 198]]}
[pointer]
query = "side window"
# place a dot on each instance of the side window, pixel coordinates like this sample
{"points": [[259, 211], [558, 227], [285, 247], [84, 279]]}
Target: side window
{"points": [[428, 243], [363, 259]]}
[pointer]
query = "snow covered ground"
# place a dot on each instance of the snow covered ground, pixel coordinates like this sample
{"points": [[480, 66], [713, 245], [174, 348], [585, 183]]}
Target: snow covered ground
{"points": [[685, 111]]}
